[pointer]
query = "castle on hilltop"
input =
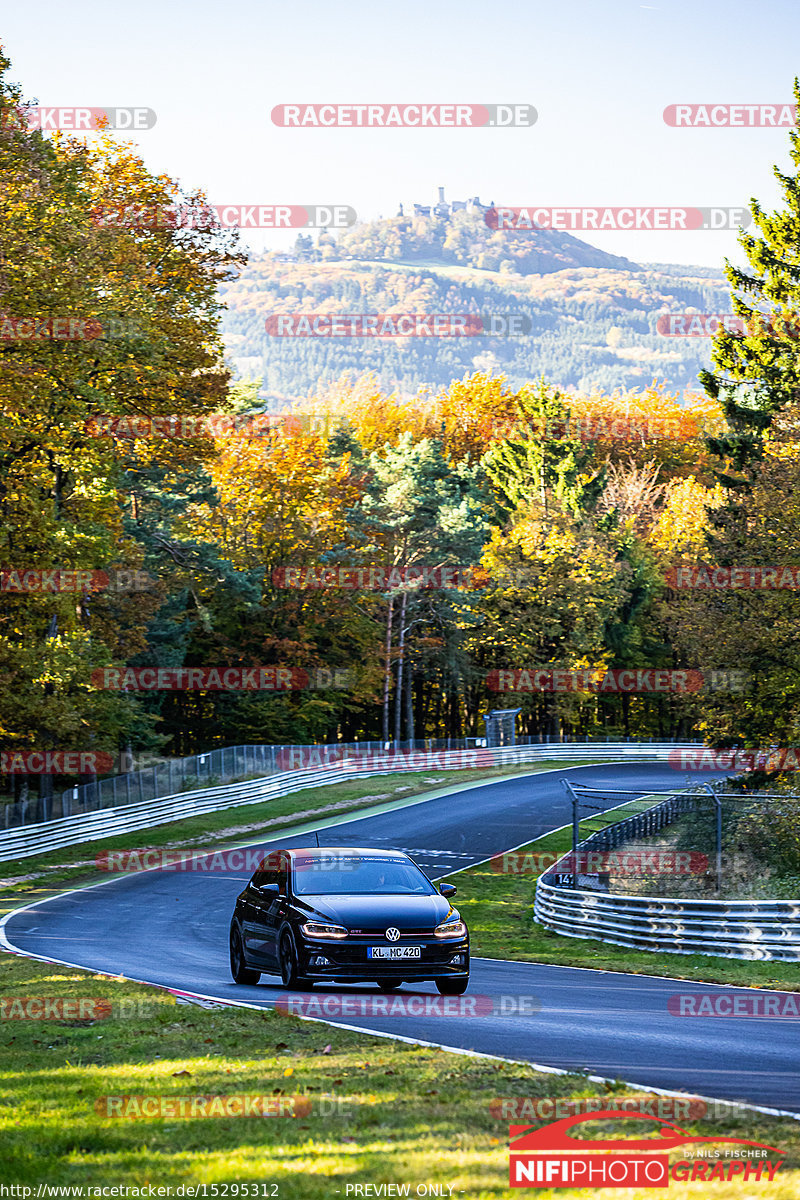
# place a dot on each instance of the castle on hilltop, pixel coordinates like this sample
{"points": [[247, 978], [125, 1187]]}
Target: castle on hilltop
{"points": [[443, 209]]}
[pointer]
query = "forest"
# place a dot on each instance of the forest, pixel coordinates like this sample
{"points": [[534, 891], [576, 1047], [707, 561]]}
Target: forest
{"points": [[182, 569], [592, 319]]}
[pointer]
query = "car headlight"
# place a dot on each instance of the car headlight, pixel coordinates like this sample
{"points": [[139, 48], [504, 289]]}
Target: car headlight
{"points": [[453, 927], [316, 929]]}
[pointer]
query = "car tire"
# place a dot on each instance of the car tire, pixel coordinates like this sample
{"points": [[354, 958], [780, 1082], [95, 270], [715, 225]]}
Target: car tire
{"points": [[389, 985], [287, 959], [240, 971], [452, 987]]}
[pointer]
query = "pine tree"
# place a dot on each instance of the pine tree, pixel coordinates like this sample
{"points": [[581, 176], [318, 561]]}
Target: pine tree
{"points": [[758, 370]]}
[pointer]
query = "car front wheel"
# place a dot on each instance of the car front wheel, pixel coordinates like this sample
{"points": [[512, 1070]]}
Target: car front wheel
{"points": [[290, 973], [239, 969], [452, 987]]}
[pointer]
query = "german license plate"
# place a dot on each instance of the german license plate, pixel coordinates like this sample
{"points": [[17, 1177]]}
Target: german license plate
{"points": [[394, 951]]}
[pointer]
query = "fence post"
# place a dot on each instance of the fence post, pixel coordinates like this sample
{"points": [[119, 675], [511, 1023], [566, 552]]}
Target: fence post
{"points": [[576, 832], [718, 833]]}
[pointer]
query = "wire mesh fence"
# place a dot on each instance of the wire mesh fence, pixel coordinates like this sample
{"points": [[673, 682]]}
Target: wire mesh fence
{"points": [[704, 841], [227, 764]]}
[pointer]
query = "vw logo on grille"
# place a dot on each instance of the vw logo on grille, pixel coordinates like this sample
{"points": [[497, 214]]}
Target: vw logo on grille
{"points": [[392, 934]]}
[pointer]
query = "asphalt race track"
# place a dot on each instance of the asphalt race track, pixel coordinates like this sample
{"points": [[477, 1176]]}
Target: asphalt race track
{"points": [[171, 929]]}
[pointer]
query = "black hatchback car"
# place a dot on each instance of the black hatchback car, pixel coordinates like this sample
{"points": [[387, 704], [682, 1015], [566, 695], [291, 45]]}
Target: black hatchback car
{"points": [[348, 914]]}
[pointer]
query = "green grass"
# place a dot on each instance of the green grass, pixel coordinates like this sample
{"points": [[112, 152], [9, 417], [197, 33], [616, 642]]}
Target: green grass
{"points": [[74, 865], [498, 909], [380, 1111]]}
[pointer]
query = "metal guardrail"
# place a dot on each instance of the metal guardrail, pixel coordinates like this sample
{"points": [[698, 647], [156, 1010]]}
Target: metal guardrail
{"points": [[748, 929], [24, 841], [225, 764]]}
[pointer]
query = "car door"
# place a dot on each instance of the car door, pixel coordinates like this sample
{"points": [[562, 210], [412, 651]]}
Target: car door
{"points": [[274, 908], [261, 892]]}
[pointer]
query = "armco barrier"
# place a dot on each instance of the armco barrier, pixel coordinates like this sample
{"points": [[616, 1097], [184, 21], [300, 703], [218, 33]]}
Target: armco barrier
{"points": [[751, 929], [26, 840], [211, 768]]}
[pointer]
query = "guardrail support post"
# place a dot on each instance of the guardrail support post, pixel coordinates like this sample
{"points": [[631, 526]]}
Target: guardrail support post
{"points": [[576, 831], [718, 834]]}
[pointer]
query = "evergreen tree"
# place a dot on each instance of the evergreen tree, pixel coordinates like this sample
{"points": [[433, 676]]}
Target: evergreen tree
{"points": [[758, 370]]}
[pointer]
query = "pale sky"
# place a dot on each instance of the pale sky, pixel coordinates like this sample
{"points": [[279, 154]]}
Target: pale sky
{"points": [[599, 75]]}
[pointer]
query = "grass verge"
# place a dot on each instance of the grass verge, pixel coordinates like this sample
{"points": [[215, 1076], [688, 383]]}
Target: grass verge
{"points": [[378, 1111], [498, 909]]}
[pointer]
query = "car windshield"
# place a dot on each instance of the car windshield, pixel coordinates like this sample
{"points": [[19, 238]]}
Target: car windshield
{"points": [[342, 875]]}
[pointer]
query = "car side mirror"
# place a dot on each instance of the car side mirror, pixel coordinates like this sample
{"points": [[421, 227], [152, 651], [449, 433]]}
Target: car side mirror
{"points": [[448, 889], [269, 889]]}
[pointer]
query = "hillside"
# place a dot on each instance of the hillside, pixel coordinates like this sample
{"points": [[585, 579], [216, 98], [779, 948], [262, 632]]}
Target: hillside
{"points": [[593, 315]]}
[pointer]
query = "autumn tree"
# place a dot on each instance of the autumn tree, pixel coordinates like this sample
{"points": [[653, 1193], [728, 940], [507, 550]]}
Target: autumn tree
{"points": [[126, 320]]}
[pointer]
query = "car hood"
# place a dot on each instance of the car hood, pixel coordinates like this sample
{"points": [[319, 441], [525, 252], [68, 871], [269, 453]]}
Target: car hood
{"points": [[370, 913]]}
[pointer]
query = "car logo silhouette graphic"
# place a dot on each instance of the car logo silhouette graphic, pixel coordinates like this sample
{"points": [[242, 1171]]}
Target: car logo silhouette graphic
{"points": [[555, 1136], [392, 934]]}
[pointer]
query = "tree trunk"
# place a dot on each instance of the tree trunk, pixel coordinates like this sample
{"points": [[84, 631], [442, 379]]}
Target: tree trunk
{"points": [[409, 701], [421, 702], [454, 716], [401, 641], [387, 672], [437, 722]]}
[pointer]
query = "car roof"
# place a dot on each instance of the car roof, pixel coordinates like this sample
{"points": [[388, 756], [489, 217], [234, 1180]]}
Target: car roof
{"points": [[326, 851]]}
